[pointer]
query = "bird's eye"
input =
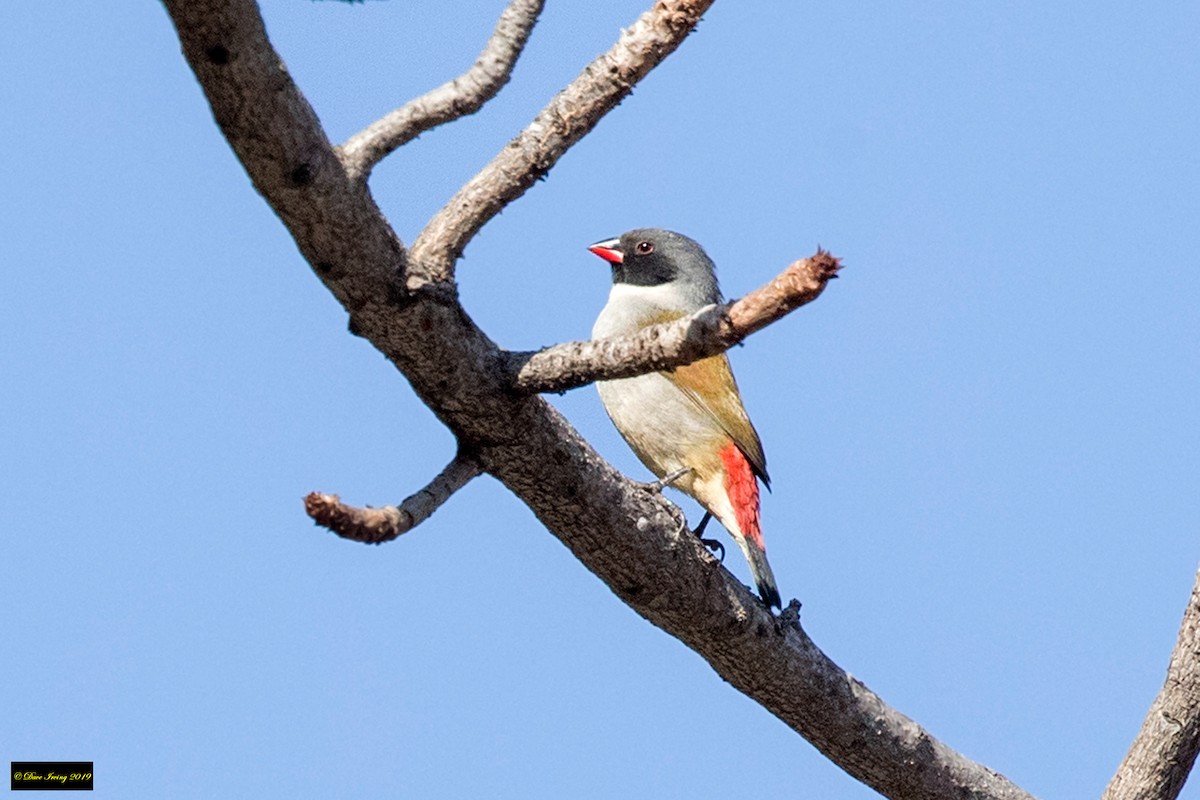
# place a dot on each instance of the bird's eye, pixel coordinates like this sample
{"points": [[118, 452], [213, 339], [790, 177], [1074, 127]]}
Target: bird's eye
{"points": [[644, 248]]}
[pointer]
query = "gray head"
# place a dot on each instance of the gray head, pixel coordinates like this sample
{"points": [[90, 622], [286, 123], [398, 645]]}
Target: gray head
{"points": [[656, 257]]}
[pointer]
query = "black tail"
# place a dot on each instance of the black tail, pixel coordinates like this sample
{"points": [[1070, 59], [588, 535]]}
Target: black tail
{"points": [[763, 577]]}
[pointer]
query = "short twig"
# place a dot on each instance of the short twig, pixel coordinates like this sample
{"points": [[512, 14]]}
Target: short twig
{"points": [[378, 525]]}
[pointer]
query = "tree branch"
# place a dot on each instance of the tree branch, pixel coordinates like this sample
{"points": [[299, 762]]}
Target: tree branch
{"points": [[623, 533], [276, 135], [663, 573], [460, 97], [379, 525], [569, 117], [711, 330], [865, 721], [1162, 755]]}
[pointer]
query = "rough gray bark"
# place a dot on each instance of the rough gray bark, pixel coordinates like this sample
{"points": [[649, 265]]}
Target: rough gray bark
{"points": [[1162, 755], [406, 304]]}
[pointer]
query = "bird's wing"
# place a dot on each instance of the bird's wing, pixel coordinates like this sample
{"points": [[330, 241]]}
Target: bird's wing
{"points": [[710, 385]]}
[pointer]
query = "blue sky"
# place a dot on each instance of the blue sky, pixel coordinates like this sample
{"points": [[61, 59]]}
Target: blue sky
{"points": [[984, 438]]}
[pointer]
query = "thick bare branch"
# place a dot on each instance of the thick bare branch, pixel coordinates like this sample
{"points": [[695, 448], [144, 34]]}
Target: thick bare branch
{"points": [[569, 117], [671, 580], [1162, 755], [866, 722], [464, 95], [379, 525], [280, 142], [709, 331], [620, 531]]}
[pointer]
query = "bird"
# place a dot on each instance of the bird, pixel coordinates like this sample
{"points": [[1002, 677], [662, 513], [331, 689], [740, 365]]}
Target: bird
{"points": [[687, 425]]}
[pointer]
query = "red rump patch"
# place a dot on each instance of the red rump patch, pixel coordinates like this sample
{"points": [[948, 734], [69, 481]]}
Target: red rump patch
{"points": [[742, 487]]}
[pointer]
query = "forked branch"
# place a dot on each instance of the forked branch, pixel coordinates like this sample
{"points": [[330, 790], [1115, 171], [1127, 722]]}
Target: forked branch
{"points": [[1162, 755], [379, 525], [622, 533], [569, 117], [464, 95], [709, 331]]}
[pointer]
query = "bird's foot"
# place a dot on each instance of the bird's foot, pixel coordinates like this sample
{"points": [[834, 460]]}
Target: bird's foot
{"points": [[711, 544], [715, 547]]}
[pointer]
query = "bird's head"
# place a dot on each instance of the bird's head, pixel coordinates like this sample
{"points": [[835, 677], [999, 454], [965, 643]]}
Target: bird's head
{"points": [[653, 257]]}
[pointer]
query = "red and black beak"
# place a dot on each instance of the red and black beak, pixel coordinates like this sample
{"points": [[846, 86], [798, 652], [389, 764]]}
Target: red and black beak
{"points": [[609, 250]]}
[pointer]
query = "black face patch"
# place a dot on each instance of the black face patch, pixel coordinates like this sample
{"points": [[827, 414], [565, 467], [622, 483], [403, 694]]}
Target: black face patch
{"points": [[655, 257], [647, 259], [644, 270]]}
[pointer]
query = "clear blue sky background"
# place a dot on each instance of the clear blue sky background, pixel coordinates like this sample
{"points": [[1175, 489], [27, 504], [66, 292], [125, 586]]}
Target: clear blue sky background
{"points": [[984, 439]]}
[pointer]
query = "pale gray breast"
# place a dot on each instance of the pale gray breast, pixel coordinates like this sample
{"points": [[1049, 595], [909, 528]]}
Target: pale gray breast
{"points": [[658, 420]]}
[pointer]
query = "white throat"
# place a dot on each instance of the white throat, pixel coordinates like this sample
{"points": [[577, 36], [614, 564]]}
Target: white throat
{"points": [[631, 308]]}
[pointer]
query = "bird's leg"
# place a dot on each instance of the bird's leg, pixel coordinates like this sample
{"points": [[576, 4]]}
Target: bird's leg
{"points": [[667, 480], [711, 544], [675, 511]]}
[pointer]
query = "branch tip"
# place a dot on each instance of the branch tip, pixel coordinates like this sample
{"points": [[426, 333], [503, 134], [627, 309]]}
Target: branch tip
{"points": [[457, 98], [378, 525]]}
